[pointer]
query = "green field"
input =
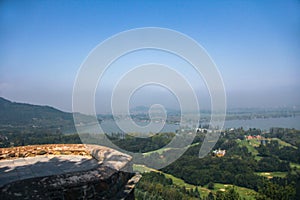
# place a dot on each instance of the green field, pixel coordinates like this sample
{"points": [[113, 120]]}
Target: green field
{"points": [[159, 151], [245, 193], [176, 181], [295, 165], [272, 174], [162, 150], [250, 145], [283, 143]]}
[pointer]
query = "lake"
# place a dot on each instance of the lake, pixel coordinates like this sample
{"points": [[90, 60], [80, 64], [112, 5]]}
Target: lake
{"points": [[265, 124], [109, 126]]}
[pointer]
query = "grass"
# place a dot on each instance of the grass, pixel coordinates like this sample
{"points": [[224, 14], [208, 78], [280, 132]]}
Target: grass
{"points": [[250, 145], [176, 181], [162, 150], [159, 151], [295, 165], [283, 143], [143, 168], [272, 174], [245, 193]]}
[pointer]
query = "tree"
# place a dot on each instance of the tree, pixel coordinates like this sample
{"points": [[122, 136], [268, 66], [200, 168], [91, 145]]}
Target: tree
{"points": [[276, 192], [197, 193], [211, 186], [232, 194], [210, 196]]}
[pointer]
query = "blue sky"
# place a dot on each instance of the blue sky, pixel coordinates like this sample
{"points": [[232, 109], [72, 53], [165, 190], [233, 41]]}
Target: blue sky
{"points": [[255, 44]]}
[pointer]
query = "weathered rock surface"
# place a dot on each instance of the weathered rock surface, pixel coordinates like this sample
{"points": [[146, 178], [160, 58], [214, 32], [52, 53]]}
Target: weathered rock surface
{"points": [[65, 172]]}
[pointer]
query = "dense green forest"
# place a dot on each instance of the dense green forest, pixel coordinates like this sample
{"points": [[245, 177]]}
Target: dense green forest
{"points": [[27, 118], [244, 164], [241, 166], [26, 115]]}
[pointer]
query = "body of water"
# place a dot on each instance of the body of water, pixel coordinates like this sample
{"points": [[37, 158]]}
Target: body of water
{"points": [[109, 126], [265, 124]]}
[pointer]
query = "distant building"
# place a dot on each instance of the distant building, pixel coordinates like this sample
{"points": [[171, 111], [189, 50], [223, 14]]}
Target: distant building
{"points": [[258, 137], [203, 130], [219, 152], [250, 137]]}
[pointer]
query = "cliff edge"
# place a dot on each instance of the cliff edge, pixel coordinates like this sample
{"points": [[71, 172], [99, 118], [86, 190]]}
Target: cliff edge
{"points": [[65, 171]]}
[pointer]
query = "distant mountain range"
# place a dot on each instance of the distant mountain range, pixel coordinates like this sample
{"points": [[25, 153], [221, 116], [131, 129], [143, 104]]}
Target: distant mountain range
{"points": [[145, 110], [28, 115], [22, 114]]}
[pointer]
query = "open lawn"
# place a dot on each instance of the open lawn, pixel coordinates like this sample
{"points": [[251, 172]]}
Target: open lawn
{"points": [[162, 150], [283, 143], [246, 193], [159, 151], [250, 145], [272, 174], [295, 165], [176, 181]]}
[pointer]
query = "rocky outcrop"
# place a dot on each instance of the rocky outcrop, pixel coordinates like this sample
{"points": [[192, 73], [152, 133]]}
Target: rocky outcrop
{"points": [[92, 172], [49, 149]]}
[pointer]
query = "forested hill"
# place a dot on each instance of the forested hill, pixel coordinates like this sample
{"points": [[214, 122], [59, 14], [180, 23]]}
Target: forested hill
{"points": [[21, 114]]}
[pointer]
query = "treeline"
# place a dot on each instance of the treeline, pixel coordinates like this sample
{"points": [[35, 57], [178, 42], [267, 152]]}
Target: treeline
{"points": [[49, 136], [38, 137], [21, 114], [136, 144], [156, 186], [291, 136], [272, 153]]}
